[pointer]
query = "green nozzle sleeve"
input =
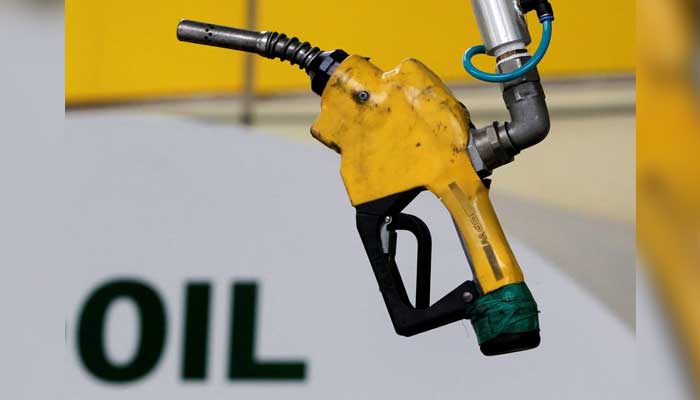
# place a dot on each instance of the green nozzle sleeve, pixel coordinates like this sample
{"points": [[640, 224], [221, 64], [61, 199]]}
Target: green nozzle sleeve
{"points": [[508, 310]]}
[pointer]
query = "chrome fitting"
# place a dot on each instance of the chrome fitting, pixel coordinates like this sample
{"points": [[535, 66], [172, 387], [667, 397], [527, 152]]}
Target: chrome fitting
{"points": [[502, 25], [489, 148]]}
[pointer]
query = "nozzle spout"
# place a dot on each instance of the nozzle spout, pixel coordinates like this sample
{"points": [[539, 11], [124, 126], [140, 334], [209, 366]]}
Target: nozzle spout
{"points": [[318, 64], [267, 44], [221, 36]]}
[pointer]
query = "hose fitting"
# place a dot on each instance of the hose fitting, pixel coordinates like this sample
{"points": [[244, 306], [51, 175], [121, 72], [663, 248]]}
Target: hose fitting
{"points": [[503, 30], [541, 7], [497, 144]]}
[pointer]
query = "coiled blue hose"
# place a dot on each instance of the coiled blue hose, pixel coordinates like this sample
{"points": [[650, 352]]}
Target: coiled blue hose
{"points": [[546, 21]]}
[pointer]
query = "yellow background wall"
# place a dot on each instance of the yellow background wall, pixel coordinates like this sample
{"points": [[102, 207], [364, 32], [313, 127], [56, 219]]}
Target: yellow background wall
{"points": [[118, 50]]}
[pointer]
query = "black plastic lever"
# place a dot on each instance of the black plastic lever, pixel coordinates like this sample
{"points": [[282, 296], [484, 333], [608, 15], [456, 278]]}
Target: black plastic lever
{"points": [[413, 224]]}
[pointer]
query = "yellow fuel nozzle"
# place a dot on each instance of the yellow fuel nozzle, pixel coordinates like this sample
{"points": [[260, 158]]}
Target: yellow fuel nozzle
{"points": [[401, 132]]}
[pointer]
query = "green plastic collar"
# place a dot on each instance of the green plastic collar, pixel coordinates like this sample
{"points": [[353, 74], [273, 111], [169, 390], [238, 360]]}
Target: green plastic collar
{"points": [[510, 309]]}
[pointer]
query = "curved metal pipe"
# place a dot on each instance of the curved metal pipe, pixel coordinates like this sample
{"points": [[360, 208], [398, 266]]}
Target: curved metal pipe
{"points": [[495, 145], [529, 115]]}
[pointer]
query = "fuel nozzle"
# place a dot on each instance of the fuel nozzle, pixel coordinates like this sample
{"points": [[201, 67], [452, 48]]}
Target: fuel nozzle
{"points": [[318, 64]]}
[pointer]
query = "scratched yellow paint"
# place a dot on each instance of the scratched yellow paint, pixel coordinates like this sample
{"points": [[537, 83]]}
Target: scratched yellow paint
{"points": [[429, 152], [126, 49]]}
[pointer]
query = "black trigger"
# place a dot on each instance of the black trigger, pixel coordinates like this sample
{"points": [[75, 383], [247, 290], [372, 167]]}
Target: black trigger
{"points": [[419, 229]]}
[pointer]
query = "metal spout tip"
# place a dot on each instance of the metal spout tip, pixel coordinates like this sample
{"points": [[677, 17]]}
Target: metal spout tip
{"points": [[218, 36], [180, 28]]}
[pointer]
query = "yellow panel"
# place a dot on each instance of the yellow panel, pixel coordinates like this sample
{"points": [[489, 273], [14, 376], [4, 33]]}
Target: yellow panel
{"points": [[125, 49], [668, 173], [585, 41]]}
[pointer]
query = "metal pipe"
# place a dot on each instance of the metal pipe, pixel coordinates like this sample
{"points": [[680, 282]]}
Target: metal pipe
{"points": [[529, 117], [266, 44], [248, 99], [220, 36], [502, 25], [505, 34], [497, 144]]}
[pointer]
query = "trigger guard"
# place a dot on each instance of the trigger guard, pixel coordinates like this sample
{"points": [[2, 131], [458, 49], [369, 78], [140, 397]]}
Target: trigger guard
{"points": [[413, 224], [371, 219]]}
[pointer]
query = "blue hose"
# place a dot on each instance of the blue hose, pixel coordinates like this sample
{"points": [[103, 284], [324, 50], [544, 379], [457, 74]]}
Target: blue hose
{"points": [[527, 67]]}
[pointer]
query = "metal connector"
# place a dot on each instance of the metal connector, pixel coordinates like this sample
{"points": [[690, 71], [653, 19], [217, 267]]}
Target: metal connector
{"points": [[493, 146], [502, 25]]}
